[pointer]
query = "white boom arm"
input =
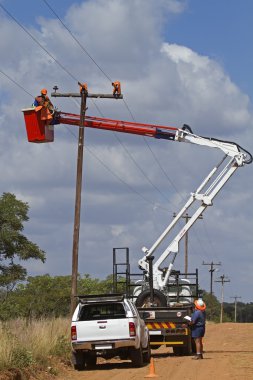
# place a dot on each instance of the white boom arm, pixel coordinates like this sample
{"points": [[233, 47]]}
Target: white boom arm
{"points": [[216, 179]]}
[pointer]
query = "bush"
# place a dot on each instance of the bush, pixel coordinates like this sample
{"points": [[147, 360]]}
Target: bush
{"points": [[26, 344]]}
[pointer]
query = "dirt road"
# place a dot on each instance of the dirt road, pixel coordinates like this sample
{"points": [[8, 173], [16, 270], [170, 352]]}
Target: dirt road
{"points": [[228, 355]]}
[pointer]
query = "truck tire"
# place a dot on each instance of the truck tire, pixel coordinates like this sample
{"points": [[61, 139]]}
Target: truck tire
{"points": [[177, 351], [143, 299], [183, 350], [90, 361], [78, 360], [136, 356], [147, 354]]}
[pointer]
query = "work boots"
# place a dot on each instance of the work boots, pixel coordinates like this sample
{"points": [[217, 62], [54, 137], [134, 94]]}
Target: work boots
{"points": [[197, 357]]}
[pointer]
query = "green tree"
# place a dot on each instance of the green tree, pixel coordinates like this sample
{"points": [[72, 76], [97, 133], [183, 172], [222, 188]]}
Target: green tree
{"points": [[46, 296], [212, 307], [14, 246]]}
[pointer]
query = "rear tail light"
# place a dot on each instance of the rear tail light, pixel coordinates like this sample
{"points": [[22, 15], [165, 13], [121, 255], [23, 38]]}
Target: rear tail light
{"points": [[73, 333], [132, 331]]}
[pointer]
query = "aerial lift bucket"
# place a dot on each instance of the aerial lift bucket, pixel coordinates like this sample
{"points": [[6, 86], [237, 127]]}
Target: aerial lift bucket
{"points": [[36, 129]]}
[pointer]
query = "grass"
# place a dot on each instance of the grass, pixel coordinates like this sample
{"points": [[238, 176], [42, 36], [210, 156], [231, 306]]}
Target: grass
{"points": [[34, 343]]}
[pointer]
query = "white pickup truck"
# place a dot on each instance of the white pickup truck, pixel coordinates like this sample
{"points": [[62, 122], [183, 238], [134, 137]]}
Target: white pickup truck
{"points": [[108, 326]]}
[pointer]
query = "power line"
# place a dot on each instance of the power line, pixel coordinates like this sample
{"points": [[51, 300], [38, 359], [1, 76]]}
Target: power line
{"points": [[56, 61], [92, 153], [38, 43], [133, 159], [107, 76], [170, 181], [34, 39], [16, 83], [76, 40], [86, 52]]}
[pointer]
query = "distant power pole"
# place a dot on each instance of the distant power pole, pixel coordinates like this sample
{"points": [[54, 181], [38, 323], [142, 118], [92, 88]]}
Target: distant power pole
{"points": [[222, 280], [186, 217], [211, 270], [83, 94], [235, 298]]}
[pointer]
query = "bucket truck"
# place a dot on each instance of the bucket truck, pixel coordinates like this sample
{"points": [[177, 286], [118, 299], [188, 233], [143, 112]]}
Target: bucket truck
{"points": [[164, 304]]}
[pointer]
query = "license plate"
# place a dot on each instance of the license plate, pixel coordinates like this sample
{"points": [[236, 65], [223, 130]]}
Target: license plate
{"points": [[103, 346]]}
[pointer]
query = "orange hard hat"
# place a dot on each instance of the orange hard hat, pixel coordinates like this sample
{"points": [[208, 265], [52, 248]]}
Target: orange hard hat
{"points": [[200, 304], [43, 91]]}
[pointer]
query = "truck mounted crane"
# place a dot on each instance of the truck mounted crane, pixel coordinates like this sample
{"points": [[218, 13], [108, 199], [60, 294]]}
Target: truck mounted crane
{"points": [[165, 321], [234, 157]]}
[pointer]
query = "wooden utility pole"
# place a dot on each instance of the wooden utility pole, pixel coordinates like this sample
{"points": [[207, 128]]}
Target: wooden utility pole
{"points": [[186, 217], [211, 270], [222, 280], [235, 298], [84, 95], [79, 174]]}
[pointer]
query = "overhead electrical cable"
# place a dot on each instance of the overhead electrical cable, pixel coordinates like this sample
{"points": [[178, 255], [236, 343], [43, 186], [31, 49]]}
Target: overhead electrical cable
{"points": [[38, 43], [171, 182], [70, 74], [107, 76], [91, 151], [134, 160], [72, 35], [16, 83]]}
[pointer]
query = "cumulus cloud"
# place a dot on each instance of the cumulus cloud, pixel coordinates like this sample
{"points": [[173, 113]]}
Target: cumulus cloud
{"points": [[210, 90]]}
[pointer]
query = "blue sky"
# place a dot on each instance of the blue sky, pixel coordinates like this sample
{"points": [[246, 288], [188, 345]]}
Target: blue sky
{"points": [[222, 30], [179, 62], [219, 29]]}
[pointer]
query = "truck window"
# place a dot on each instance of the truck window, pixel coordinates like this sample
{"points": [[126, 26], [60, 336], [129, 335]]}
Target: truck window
{"points": [[101, 311]]}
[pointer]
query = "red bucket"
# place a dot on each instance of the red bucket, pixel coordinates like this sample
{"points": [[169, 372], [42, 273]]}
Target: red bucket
{"points": [[36, 129]]}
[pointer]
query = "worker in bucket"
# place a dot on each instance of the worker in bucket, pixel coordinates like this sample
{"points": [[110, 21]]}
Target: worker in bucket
{"points": [[198, 322], [43, 104]]}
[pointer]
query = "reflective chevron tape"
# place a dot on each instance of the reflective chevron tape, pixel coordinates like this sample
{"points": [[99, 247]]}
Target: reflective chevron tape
{"points": [[160, 325]]}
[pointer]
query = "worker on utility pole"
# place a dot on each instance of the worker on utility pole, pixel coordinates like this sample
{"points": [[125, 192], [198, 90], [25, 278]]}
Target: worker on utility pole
{"points": [[43, 104]]}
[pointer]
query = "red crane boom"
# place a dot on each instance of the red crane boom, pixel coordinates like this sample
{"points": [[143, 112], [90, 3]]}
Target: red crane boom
{"points": [[39, 132]]}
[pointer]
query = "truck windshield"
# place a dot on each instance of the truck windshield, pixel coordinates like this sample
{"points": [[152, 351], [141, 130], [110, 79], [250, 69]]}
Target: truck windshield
{"points": [[100, 311]]}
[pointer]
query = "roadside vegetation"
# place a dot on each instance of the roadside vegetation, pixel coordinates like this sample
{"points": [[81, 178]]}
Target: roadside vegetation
{"points": [[34, 344]]}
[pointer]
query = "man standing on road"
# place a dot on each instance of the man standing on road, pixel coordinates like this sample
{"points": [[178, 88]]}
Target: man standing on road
{"points": [[198, 321]]}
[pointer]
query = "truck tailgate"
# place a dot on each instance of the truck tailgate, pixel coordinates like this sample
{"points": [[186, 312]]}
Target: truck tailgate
{"points": [[107, 329]]}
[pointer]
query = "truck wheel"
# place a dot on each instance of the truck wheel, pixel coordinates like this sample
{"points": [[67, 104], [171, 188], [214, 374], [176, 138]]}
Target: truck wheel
{"points": [[143, 299], [183, 351], [155, 347], [178, 351], [136, 356], [78, 360], [91, 361], [147, 354]]}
